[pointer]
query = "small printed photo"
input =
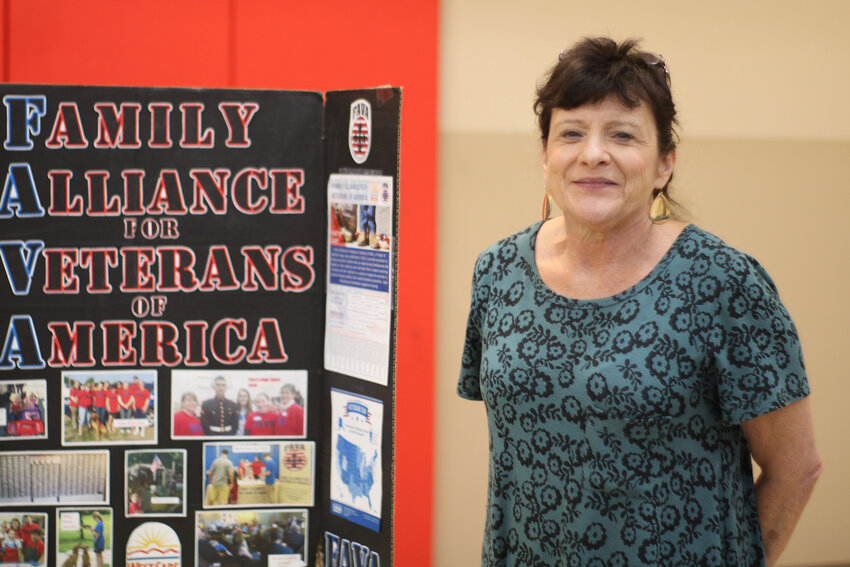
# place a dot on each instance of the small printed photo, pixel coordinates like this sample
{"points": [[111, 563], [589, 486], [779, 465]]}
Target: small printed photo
{"points": [[109, 407], [23, 410], [155, 482], [251, 538], [361, 226], [238, 403], [48, 478], [24, 538], [84, 537], [361, 212], [257, 474]]}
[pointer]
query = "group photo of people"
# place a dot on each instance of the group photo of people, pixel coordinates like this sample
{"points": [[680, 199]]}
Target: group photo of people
{"points": [[84, 537], [109, 407], [250, 538], [239, 403], [23, 538], [155, 482], [22, 410]]}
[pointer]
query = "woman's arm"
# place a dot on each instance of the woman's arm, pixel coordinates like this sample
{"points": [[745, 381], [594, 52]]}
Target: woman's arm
{"points": [[782, 442]]}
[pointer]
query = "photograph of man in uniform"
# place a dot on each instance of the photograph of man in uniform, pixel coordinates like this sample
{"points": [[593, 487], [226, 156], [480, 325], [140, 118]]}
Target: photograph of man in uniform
{"points": [[219, 415], [228, 404]]}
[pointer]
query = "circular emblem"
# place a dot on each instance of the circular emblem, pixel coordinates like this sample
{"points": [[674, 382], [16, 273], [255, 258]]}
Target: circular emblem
{"points": [[294, 460], [153, 544]]}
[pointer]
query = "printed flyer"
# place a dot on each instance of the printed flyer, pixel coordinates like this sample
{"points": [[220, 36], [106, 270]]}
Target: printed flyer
{"points": [[356, 485], [360, 276]]}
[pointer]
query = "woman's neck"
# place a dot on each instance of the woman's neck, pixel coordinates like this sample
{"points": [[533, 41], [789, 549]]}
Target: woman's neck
{"points": [[583, 263]]}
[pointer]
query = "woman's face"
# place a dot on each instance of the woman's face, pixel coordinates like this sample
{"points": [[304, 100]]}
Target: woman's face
{"points": [[285, 396], [242, 398], [189, 404], [601, 164], [262, 403]]}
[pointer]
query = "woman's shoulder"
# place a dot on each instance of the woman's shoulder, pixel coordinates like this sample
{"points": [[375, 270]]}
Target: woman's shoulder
{"points": [[508, 249], [707, 252]]}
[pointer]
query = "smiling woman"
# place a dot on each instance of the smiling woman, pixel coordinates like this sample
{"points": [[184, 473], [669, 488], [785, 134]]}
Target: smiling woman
{"points": [[602, 165], [630, 364]]}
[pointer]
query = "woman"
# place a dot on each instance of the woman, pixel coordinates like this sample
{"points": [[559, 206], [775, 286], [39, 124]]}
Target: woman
{"points": [[16, 406], [12, 548], [243, 403], [85, 396], [126, 401], [98, 532], [630, 363], [186, 421], [73, 403], [141, 404], [32, 407], [134, 506], [99, 401], [290, 421], [113, 409], [263, 420]]}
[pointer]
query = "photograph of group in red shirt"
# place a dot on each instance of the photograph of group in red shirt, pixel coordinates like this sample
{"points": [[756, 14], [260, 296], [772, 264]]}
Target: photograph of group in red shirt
{"points": [[238, 403], [22, 538], [109, 407]]}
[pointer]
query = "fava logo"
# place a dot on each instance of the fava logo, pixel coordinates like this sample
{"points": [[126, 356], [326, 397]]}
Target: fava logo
{"points": [[360, 130]]}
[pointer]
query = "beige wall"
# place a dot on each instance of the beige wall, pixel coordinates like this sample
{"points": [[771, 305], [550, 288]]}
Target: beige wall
{"points": [[762, 89]]}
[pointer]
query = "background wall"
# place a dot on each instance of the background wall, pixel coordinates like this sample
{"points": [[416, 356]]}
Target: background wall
{"points": [[764, 163]]}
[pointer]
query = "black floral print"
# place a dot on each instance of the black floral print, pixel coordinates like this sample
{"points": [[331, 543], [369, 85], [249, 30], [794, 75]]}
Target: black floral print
{"points": [[615, 423]]}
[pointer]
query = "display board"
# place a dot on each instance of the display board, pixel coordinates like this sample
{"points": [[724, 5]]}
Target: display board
{"points": [[198, 300]]}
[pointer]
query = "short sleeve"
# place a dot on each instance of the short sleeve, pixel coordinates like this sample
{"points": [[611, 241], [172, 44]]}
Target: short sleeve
{"points": [[469, 385], [760, 366]]}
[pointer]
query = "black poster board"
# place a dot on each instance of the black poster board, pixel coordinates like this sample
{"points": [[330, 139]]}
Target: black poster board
{"points": [[178, 239]]}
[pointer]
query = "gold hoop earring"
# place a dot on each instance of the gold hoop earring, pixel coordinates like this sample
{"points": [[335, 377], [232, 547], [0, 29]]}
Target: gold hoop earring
{"points": [[547, 204], [659, 211]]}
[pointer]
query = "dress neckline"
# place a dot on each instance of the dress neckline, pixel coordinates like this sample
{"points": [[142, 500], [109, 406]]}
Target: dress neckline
{"points": [[657, 270]]}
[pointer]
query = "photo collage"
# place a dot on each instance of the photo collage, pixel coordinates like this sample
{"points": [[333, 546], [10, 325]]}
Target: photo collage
{"points": [[250, 499]]}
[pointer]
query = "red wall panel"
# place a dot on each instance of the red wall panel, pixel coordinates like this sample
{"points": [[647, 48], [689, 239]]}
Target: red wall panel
{"points": [[4, 40], [166, 43], [322, 45]]}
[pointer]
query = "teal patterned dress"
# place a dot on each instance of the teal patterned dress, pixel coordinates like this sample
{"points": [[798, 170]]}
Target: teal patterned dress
{"points": [[614, 423]]}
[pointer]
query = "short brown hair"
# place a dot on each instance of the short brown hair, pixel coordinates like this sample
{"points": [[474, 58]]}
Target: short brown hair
{"points": [[596, 68]]}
